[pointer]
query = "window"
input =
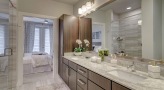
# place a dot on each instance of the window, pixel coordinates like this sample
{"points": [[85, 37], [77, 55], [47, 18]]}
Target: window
{"points": [[47, 41], [42, 40], [36, 40], [2, 39]]}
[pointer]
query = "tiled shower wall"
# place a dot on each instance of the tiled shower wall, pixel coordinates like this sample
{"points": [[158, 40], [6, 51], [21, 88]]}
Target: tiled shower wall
{"points": [[126, 27], [12, 64]]}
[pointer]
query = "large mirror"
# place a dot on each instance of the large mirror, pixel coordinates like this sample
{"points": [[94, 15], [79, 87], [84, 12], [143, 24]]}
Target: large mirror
{"points": [[130, 26]]}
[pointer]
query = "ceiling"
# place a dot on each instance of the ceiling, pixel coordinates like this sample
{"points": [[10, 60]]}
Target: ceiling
{"points": [[119, 6], [38, 20], [72, 2]]}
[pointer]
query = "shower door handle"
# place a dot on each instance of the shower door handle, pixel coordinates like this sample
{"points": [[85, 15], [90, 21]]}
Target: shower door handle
{"points": [[8, 52]]}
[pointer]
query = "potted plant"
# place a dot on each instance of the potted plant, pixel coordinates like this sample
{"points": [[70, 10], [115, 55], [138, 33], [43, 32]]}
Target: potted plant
{"points": [[78, 50], [101, 54], [87, 43]]}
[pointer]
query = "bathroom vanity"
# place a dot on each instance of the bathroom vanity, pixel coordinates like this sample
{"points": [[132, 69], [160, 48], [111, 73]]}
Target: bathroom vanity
{"points": [[82, 74]]}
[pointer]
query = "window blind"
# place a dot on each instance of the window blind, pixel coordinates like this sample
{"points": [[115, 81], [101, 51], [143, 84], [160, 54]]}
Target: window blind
{"points": [[36, 47], [47, 41], [2, 39]]}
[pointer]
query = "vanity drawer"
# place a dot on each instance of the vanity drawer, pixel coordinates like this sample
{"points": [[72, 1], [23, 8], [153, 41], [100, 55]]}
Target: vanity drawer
{"points": [[99, 80], [92, 86], [79, 88], [82, 71], [82, 82], [72, 65], [65, 61]]}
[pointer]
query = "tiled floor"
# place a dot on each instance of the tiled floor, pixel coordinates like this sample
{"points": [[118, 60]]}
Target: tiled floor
{"points": [[44, 81]]}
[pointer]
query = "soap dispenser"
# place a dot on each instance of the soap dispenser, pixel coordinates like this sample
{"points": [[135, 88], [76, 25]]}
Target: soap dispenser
{"points": [[154, 70]]}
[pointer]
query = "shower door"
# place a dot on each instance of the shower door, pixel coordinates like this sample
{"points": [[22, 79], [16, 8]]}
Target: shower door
{"points": [[7, 46]]}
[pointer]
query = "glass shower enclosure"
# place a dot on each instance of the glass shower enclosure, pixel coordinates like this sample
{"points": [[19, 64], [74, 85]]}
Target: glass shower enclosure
{"points": [[8, 27]]}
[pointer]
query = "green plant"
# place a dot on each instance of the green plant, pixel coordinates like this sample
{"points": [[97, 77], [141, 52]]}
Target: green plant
{"points": [[77, 50], [106, 52], [101, 54]]}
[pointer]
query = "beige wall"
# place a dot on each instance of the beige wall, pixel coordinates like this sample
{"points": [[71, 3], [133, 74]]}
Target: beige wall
{"points": [[45, 7], [157, 29], [97, 16]]}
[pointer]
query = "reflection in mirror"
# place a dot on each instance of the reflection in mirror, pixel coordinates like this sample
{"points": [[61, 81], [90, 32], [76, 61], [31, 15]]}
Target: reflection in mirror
{"points": [[130, 27]]}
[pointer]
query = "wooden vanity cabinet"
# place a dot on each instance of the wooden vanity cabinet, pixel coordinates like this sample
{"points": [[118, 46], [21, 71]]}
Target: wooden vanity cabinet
{"points": [[72, 79], [80, 78], [116, 86], [68, 34], [69, 74], [92, 86], [65, 73], [100, 80]]}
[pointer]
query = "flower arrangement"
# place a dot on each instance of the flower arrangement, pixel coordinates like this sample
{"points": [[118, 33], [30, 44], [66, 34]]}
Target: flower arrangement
{"points": [[78, 49], [81, 48], [87, 43]]}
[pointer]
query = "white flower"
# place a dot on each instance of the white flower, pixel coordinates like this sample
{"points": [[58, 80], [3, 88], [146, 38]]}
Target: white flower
{"points": [[78, 41], [86, 41], [87, 45]]}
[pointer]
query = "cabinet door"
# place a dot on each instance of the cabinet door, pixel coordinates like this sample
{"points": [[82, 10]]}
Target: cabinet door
{"points": [[116, 86], [71, 33], [85, 30], [65, 73], [92, 86], [72, 79]]}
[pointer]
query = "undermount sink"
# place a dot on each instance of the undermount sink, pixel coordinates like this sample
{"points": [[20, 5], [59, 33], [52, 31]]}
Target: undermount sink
{"points": [[127, 76]]}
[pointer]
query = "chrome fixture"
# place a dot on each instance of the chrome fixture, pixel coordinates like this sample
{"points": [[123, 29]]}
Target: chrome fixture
{"points": [[131, 67]]}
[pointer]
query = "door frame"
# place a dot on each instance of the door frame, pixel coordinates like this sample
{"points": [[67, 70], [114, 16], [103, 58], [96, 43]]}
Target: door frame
{"points": [[20, 44], [103, 33]]}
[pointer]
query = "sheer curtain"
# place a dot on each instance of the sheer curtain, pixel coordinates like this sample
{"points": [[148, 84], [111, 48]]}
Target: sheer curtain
{"points": [[29, 37]]}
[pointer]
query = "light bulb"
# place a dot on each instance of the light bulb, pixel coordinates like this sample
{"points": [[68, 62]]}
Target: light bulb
{"points": [[84, 8], [88, 5], [80, 11]]}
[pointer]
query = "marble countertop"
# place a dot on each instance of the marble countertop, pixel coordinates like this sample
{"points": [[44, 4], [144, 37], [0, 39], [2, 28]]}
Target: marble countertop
{"points": [[105, 67]]}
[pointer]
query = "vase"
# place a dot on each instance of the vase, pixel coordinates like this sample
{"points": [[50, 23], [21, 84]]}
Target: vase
{"points": [[77, 53]]}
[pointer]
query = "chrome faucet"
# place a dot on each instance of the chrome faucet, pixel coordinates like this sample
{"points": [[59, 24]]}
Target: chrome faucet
{"points": [[131, 67]]}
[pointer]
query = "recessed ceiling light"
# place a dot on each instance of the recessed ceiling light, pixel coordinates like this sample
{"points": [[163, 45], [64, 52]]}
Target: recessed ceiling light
{"points": [[128, 8]]}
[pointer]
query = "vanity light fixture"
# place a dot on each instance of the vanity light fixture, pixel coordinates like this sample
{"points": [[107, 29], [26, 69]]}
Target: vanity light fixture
{"points": [[86, 8], [128, 8]]}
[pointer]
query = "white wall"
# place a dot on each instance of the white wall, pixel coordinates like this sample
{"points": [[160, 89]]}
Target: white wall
{"points": [[151, 29], [45, 7]]}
